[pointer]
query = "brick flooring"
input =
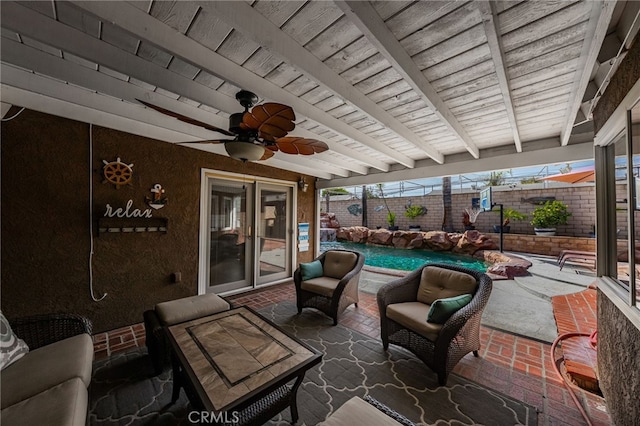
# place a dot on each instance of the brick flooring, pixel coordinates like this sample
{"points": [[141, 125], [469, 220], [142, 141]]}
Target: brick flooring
{"points": [[514, 365], [576, 313]]}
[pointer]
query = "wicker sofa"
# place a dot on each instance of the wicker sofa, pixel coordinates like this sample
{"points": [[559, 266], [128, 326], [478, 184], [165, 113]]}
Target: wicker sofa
{"points": [[48, 385]]}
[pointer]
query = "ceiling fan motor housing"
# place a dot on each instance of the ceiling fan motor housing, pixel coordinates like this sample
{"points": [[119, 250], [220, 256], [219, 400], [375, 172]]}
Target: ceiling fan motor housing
{"points": [[234, 122]]}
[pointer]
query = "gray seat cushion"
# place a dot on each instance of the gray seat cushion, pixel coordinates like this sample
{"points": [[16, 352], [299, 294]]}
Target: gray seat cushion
{"points": [[64, 404], [358, 412], [321, 285], [46, 367], [413, 315], [188, 308]]}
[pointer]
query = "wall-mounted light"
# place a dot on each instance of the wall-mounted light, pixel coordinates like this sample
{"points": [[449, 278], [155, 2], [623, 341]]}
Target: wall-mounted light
{"points": [[303, 185]]}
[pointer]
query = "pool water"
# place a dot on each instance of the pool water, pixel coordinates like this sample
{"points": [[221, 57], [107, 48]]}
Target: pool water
{"points": [[405, 259]]}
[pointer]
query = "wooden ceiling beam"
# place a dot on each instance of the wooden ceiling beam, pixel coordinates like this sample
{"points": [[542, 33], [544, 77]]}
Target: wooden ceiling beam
{"points": [[256, 27], [144, 26], [365, 17], [494, 39], [601, 12]]}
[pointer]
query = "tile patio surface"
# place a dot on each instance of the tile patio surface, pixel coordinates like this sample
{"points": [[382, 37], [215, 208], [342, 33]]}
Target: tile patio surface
{"points": [[517, 366]]}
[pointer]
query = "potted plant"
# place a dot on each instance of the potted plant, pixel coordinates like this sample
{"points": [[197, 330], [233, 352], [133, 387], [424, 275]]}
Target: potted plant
{"points": [[548, 216], [412, 211], [391, 221], [508, 215]]}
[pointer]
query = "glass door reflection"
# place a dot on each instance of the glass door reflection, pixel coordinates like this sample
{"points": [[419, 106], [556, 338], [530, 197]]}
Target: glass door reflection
{"points": [[229, 236], [274, 225]]}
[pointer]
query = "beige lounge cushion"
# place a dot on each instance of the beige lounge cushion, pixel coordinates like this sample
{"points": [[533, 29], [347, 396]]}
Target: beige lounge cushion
{"points": [[356, 411], [46, 367], [337, 264], [64, 404], [439, 283], [321, 285], [188, 308], [413, 315]]}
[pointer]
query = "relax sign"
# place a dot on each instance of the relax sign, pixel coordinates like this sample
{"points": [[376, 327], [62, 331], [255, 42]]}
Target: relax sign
{"points": [[127, 212]]}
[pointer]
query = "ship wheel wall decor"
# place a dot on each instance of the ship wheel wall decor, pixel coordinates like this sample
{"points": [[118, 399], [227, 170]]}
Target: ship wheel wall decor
{"points": [[117, 172], [259, 131]]}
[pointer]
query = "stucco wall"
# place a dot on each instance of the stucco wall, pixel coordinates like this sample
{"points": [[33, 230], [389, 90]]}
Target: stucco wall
{"points": [[618, 338], [45, 219], [618, 363]]}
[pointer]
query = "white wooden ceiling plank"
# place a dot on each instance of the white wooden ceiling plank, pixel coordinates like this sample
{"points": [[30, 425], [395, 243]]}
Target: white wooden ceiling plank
{"points": [[100, 104], [370, 23], [598, 24], [253, 25], [540, 81], [544, 27], [468, 59], [330, 103], [391, 91], [300, 86], [365, 69], [37, 44], [528, 12], [479, 104], [351, 55], [563, 55], [9, 34], [464, 75], [451, 47], [478, 95], [481, 112], [209, 80], [183, 68], [556, 95], [530, 111], [224, 102], [153, 54], [262, 62], [237, 48], [80, 61], [308, 22], [283, 74], [130, 19], [547, 44], [74, 17], [316, 95], [494, 40], [379, 80], [44, 7], [342, 110], [447, 26], [397, 100], [177, 14], [118, 38], [387, 9], [416, 16], [208, 30], [469, 87], [333, 39]]}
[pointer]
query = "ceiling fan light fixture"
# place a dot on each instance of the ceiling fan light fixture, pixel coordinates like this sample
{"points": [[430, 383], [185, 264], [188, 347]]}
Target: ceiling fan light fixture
{"points": [[244, 151]]}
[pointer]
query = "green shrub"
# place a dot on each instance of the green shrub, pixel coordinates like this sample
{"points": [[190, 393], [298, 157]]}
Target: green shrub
{"points": [[550, 215]]}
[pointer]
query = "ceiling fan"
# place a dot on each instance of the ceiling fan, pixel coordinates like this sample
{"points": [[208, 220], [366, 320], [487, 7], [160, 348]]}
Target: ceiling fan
{"points": [[257, 134]]}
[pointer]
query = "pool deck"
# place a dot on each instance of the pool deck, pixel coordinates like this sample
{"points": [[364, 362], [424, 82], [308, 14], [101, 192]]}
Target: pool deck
{"points": [[547, 303]]}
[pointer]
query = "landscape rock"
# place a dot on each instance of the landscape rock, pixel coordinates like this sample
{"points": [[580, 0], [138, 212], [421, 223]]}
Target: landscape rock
{"points": [[509, 269], [382, 237], [437, 241], [472, 241]]}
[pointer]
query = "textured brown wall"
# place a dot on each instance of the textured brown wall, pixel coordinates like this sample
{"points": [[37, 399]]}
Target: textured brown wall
{"points": [[623, 80], [618, 338], [45, 219], [618, 363]]}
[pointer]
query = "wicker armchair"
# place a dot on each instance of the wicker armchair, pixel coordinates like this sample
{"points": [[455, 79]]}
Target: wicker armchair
{"points": [[445, 346], [42, 330], [331, 294]]}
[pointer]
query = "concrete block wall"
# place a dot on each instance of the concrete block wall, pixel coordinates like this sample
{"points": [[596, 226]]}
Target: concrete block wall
{"points": [[579, 198]]}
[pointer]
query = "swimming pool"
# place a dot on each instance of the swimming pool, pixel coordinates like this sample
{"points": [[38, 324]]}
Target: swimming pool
{"points": [[404, 259]]}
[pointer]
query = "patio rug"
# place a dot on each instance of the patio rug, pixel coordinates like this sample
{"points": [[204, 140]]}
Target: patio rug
{"points": [[124, 392]]}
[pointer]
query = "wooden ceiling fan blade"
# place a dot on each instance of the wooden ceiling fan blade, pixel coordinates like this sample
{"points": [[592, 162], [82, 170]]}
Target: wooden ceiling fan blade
{"points": [[301, 146], [185, 119], [268, 153], [210, 141], [271, 114]]}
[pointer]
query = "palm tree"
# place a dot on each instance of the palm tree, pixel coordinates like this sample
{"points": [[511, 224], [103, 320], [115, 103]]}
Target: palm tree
{"points": [[447, 220]]}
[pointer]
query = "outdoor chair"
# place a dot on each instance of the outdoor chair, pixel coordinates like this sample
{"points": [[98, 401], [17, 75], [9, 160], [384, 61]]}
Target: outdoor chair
{"points": [[435, 291], [330, 282]]}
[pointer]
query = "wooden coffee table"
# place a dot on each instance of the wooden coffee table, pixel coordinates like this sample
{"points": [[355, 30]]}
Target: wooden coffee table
{"points": [[240, 365]]}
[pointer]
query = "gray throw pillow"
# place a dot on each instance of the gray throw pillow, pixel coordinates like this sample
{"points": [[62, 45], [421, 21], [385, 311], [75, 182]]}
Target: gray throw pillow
{"points": [[12, 348]]}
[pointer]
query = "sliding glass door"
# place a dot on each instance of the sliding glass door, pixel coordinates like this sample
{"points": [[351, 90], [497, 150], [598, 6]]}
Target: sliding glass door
{"points": [[274, 228], [246, 235]]}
